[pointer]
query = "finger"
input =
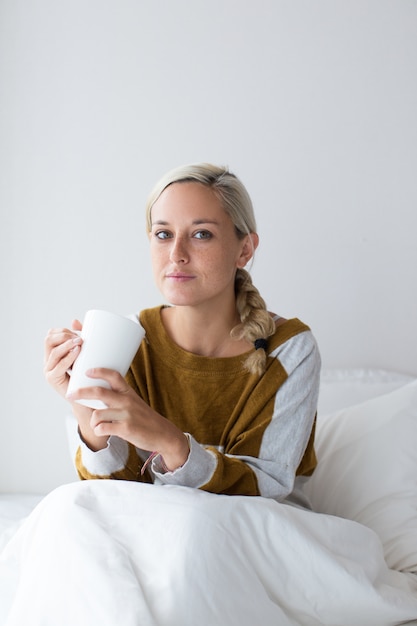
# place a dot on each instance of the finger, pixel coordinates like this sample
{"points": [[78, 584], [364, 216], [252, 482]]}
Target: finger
{"points": [[108, 422], [56, 337], [113, 378], [76, 325], [68, 351], [106, 429], [60, 373], [107, 416], [106, 396]]}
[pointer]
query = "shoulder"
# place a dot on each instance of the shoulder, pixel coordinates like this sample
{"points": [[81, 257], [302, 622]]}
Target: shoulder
{"points": [[294, 343], [286, 329], [150, 318]]}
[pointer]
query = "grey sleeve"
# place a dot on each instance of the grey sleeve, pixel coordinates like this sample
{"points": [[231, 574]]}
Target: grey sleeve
{"points": [[285, 439]]}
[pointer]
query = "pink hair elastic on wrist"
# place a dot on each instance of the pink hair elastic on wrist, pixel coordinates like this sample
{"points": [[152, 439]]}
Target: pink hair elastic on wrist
{"points": [[149, 460]]}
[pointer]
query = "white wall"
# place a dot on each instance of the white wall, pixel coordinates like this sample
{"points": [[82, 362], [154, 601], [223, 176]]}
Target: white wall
{"points": [[312, 103]]}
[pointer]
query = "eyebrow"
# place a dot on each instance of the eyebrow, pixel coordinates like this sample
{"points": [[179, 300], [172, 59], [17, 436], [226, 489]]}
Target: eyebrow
{"points": [[194, 222]]}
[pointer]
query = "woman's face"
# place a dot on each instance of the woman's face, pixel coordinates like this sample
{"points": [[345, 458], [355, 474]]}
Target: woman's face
{"points": [[194, 246]]}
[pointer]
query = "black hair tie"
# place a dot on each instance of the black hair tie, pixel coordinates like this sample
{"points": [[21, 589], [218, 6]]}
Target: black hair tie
{"points": [[261, 344]]}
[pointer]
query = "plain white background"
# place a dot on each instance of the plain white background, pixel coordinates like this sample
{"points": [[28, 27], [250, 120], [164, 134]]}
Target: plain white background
{"points": [[312, 103]]}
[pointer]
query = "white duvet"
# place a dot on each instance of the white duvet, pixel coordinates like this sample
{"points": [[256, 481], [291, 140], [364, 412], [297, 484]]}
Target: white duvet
{"points": [[110, 553]]}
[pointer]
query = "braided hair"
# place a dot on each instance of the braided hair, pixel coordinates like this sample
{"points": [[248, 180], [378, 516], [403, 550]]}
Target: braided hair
{"points": [[256, 324]]}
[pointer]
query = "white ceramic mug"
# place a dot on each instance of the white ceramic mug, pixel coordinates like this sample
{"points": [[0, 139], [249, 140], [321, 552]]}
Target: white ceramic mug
{"points": [[110, 341]]}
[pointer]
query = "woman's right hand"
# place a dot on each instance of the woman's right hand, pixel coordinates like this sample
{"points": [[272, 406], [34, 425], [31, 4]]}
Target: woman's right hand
{"points": [[62, 346]]}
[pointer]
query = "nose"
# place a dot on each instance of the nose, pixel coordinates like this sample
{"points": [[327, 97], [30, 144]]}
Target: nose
{"points": [[179, 251]]}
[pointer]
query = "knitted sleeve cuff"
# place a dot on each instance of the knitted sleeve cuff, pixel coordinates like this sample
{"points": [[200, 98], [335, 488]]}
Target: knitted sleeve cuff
{"points": [[196, 471], [108, 461]]}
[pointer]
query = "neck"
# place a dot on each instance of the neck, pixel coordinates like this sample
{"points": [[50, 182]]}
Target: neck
{"points": [[203, 332]]}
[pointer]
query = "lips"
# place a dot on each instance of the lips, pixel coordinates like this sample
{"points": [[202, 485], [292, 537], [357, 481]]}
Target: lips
{"points": [[179, 276]]}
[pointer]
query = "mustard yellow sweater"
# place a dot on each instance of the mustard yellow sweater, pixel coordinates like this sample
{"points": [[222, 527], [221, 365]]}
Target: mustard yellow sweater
{"points": [[248, 435]]}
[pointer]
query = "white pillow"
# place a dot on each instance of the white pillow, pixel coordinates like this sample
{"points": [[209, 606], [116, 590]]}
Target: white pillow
{"points": [[340, 388], [367, 470]]}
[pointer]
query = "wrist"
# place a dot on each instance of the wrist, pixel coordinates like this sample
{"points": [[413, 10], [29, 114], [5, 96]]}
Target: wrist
{"points": [[177, 455], [172, 457]]}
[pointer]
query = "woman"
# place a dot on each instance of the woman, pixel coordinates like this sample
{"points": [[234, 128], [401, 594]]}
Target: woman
{"points": [[221, 397], [222, 394]]}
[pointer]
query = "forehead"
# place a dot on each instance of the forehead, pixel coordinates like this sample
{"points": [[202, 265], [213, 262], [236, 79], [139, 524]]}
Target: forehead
{"points": [[188, 200]]}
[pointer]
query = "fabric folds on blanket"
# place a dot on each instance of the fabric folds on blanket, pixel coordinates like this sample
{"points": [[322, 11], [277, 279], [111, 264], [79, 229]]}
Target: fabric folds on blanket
{"points": [[112, 552]]}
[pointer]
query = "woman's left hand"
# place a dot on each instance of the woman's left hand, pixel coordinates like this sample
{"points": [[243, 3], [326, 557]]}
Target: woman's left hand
{"points": [[131, 419]]}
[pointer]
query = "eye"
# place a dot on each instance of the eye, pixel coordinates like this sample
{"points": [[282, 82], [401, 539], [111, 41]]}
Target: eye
{"points": [[162, 234], [203, 234]]}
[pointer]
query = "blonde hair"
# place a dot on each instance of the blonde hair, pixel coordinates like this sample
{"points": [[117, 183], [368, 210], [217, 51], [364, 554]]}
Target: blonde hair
{"points": [[255, 321]]}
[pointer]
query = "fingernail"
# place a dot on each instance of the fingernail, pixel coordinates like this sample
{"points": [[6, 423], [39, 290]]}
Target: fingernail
{"points": [[77, 340]]}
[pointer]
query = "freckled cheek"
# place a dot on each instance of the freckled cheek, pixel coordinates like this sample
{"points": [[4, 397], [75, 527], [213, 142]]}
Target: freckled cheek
{"points": [[219, 270], [158, 264]]}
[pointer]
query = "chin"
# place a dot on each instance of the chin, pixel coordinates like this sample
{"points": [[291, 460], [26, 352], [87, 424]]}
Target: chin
{"points": [[178, 300]]}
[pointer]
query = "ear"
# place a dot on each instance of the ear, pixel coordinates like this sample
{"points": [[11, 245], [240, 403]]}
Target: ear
{"points": [[249, 245]]}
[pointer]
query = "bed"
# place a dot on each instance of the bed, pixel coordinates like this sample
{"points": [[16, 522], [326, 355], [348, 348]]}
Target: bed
{"points": [[110, 552]]}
